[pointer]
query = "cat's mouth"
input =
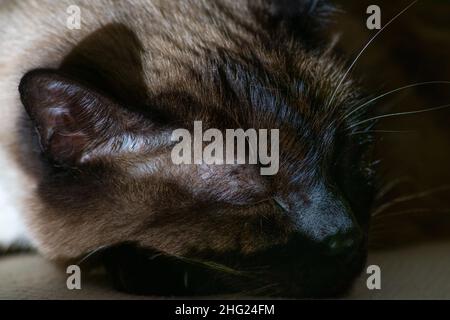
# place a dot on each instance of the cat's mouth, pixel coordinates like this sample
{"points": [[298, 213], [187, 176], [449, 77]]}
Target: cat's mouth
{"points": [[270, 274]]}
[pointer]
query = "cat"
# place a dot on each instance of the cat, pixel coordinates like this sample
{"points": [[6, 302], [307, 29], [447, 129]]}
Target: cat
{"points": [[86, 143]]}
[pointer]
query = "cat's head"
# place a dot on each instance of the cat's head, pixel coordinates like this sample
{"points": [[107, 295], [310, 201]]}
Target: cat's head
{"points": [[103, 125]]}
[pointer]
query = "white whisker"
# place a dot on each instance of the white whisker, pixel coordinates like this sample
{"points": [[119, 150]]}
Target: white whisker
{"points": [[409, 212], [400, 114], [411, 197], [383, 131], [391, 185], [364, 49], [392, 92], [90, 254]]}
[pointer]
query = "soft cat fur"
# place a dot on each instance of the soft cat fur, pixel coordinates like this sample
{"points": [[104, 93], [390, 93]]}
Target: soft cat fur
{"points": [[103, 101]]}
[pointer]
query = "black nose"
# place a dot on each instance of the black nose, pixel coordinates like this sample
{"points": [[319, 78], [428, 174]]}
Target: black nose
{"points": [[343, 243], [326, 220]]}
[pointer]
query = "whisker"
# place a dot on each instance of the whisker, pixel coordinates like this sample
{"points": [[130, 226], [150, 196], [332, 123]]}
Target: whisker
{"points": [[383, 131], [260, 291], [392, 92], [414, 196], [214, 266], [93, 252], [411, 211], [364, 49], [399, 114], [390, 186]]}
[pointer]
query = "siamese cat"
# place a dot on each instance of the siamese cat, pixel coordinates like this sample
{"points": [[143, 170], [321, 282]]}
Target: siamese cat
{"points": [[87, 117]]}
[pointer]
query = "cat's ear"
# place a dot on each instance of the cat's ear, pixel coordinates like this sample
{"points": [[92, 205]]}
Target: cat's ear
{"points": [[76, 124]]}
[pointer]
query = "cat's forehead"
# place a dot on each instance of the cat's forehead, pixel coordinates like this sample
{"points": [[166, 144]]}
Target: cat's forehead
{"points": [[229, 93], [212, 79]]}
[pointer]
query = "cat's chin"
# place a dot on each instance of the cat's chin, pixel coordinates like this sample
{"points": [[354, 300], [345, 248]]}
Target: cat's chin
{"points": [[147, 272]]}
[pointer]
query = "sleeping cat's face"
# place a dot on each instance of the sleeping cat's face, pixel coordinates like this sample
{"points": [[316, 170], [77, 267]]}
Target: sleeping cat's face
{"points": [[103, 123]]}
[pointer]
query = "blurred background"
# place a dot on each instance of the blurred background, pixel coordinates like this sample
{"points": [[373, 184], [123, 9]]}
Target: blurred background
{"points": [[414, 205]]}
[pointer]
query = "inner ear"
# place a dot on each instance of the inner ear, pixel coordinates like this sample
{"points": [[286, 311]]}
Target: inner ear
{"points": [[75, 124]]}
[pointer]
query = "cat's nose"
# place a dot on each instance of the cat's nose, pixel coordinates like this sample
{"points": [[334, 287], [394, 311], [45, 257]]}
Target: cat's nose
{"points": [[343, 243], [327, 220]]}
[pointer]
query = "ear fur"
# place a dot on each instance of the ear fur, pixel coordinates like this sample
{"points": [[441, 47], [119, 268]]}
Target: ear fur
{"points": [[74, 122]]}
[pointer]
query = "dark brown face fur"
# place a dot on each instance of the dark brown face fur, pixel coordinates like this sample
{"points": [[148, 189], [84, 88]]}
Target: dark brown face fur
{"points": [[99, 138]]}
